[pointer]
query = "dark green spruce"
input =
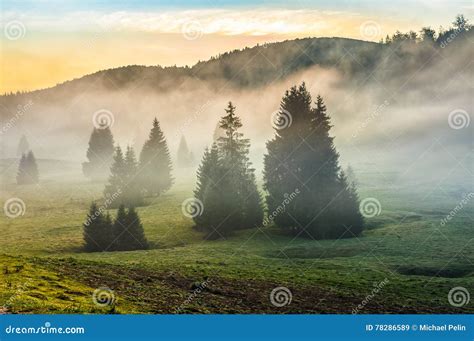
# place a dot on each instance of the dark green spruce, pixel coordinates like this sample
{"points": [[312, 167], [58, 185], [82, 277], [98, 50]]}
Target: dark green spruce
{"points": [[302, 157]]}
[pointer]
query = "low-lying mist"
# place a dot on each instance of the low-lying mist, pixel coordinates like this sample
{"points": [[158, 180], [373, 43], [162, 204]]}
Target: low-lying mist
{"points": [[416, 121]]}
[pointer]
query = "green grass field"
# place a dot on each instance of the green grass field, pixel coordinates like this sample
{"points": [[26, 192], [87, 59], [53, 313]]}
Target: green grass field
{"points": [[43, 269]]}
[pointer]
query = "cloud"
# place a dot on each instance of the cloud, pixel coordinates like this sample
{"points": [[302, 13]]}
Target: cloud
{"points": [[256, 22]]}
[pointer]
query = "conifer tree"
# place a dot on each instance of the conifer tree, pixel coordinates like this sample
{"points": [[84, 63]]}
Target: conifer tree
{"points": [[99, 154], [207, 191], [22, 176], [27, 170], [119, 228], [347, 211], [226, 183], [128, 231], [218, 133], [155, 163], [23, 146], [185, 156], [207, 173], [252, 202], [303, 156], [97, 230], [117, 179], [135, 230], [32, 167], [132, 193]]}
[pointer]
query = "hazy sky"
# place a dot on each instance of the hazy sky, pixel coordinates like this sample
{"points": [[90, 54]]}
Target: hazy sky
{"points": [[46, 42]]}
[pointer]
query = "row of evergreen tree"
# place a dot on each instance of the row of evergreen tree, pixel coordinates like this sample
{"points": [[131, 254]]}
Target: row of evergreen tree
{"points": [[428, 35], [125, 233], [101, 151], [130, 180], [301, 156]]}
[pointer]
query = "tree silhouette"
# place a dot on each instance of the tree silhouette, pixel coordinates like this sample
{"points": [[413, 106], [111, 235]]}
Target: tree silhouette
{"points": [[98, 234], [226, 183], [23, 146], [27, 170], [302, 156], [99, 154], [117, 179], [128, 231], [185, 156], [132, 192], [155, 163]]}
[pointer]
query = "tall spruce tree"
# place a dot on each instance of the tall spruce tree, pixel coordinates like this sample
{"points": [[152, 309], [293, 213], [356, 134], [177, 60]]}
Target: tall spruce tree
{"points": [[23, 146], [27, 170], [207, 173], [99, 154], [185, 157], [97, 234], [208, 191], [22, 176], [132, 192], [155, 163], [128, 231], [226, 183], [252, 201], [32, 167], [302, 156], [218, 132], [117, 179]]}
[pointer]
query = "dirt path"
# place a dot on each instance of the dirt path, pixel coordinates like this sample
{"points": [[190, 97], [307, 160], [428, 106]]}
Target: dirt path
{"points": [[156, 292]]}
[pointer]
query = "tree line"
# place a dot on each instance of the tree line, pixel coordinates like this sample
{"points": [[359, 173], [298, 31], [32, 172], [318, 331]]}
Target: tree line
{"points": [[428, 35], [130, 180], [307, 192]]}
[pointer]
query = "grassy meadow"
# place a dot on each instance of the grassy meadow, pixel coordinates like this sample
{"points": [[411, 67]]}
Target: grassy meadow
{"points": [[405, 247]]}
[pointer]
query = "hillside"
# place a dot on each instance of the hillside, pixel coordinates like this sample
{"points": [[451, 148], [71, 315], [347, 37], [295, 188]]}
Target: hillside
{"points": [[355, 77]]}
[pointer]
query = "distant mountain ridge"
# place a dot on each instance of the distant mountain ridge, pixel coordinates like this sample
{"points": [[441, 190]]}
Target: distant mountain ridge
{"points": [[251, 66], [405, 73]]}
